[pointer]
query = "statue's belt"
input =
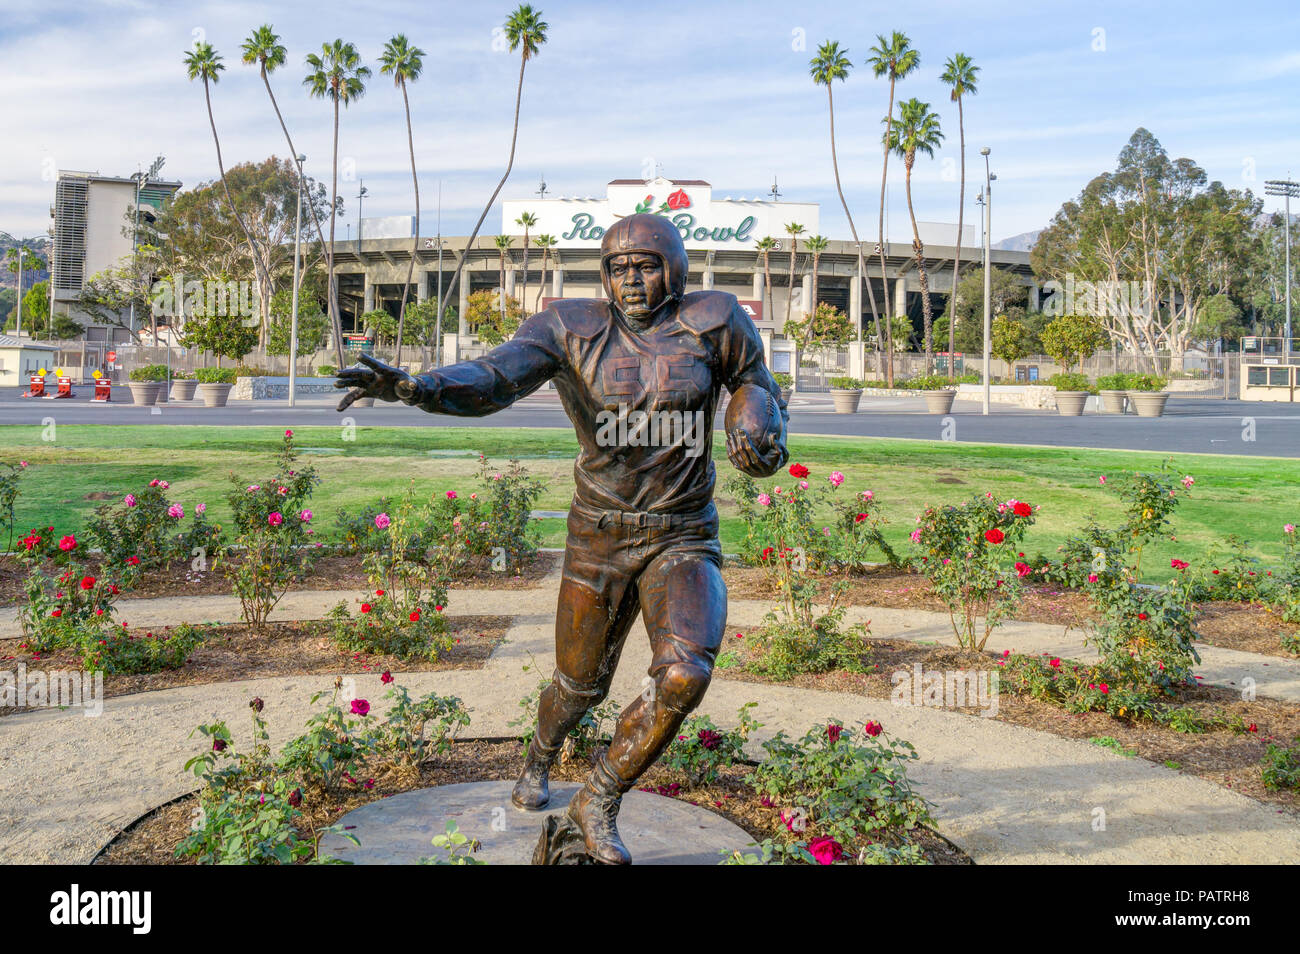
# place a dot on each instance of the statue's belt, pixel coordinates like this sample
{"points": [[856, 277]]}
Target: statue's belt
{"points": [[642, 519]]}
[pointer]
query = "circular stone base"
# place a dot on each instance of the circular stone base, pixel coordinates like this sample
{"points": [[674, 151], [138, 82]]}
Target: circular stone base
{"points": [[399, 830]]}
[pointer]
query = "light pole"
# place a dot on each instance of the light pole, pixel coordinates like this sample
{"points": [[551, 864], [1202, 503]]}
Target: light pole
{"points": [[19, 328], [1287, 189], [293, 317], [361, 195], [987, 202], [437, 334]]}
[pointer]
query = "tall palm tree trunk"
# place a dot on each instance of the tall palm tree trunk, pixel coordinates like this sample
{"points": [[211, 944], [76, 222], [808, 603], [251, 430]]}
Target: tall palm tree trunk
{"points": [[333, 296], [789, 298], [884, 275], [862, 265], [514, 136], [311, 207], [767, 284], [956, 262], [415, 239], [919, 249], [262, 278], [523, 290], [541, 287]]}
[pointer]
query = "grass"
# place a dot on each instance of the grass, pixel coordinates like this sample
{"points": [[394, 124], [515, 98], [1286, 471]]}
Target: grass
{"points": [[1251, 497]]}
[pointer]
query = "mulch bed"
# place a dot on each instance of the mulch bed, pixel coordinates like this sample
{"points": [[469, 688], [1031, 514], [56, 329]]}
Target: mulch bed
{"points": [[1226, 757], [1244, 626], [235, 652], [153, 840], [334, 572]]}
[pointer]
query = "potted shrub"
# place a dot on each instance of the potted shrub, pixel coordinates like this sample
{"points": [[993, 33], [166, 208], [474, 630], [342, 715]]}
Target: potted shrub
{"points": [[145, 383], [939, 392], [1114, 391], [846, 393], [183, 385], [786, 383], [214, 385], [1072, 390], [1147, 394]]}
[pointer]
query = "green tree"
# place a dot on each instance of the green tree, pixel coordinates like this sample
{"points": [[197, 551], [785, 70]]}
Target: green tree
{"points": [[816, 245], [917, 131], [1008, 296], [493, 316], [546, 243], [826, 327], [765, 247], [831, 64], [1011, 340], [404, 63], [894, 58], [794, 230], [526, 32], [223, 334], [1071, 339], [525, 221], [312, 326], [959, 74], [503, 244], [337, 75]]}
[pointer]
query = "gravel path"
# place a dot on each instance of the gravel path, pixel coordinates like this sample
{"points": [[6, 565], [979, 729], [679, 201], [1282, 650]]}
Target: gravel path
{"points": [[1004, 793]]}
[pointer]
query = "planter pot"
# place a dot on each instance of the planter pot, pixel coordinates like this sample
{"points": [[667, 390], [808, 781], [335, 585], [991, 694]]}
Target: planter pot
{"points": [[162, 393], [183, 390], [1112, 402], [846, 399], [144, 392], [939, 402], [214, 395], [785, 395], [1149, 403], [1070, 403]]}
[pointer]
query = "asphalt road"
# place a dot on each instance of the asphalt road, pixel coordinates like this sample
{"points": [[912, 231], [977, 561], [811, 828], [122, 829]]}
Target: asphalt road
{"points": [[1190, 425]]}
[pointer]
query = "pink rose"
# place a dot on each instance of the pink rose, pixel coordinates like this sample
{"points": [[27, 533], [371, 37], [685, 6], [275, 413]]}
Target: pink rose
{"points": [[382, 521], [129, 500], [275, 519], [305, 516], [451, 495], [176, 511], [201, 508], [825, 850], [836, 478], [764, 500]]}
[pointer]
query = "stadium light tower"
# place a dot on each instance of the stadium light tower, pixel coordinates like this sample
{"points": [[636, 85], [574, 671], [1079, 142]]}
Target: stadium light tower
{"points": [[1288, 190]]}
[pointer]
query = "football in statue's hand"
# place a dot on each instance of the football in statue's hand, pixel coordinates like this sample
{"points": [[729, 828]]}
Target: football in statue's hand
{"points": [[755, 410]]}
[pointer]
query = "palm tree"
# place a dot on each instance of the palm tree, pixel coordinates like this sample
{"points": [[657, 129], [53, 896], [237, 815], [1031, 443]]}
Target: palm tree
{"points": [[895, 58], [204, 63], [545, 243], [526, 31], [503, 245], [525, 221], [917, 131], [263, 47], [336, 74], [816, 244], [404, 63], [794, 230], [831, 63], [960, 74], [766, 246]]}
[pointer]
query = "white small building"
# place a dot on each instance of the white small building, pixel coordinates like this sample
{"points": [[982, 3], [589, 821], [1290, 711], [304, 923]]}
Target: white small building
{"points": [[22, 357]]}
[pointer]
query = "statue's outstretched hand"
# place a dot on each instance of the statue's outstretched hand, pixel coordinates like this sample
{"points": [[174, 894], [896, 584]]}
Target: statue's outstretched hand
{"points": [[372, 378]]}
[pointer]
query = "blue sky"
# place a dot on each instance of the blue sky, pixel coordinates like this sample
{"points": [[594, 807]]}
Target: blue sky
{"points": [[718, 91]]}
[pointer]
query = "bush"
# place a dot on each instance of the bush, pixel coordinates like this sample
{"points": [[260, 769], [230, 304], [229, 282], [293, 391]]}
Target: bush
{"points": [[180, 374], [1281, 767], [844, 795], [783, 379], [846, 384], [117, 651], [1233, 574], [1072, 381], [326, 370], [214, 375], [965, 554], [10, 476], [928, 382], [71, 608], [274, 534], [701, 750], [148, 373], [1113, 382], [497, 520], [147, 525], [1147, 382]]}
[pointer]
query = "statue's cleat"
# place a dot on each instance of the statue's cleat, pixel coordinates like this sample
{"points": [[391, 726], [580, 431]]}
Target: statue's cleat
{"points": [[532, 791], [595, 810]]}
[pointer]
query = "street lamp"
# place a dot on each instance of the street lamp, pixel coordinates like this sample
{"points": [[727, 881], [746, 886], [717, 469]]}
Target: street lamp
{"points": [[986, 200], [1289, 190], [361, 194], [293, 318]]}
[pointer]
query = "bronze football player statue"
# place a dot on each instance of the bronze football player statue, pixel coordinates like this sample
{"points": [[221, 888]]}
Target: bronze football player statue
{"points": [[640, 376]]}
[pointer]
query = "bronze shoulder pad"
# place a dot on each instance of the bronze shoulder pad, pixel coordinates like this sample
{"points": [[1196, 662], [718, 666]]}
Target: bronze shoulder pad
{"points": [[703, 311], [582, 317]]}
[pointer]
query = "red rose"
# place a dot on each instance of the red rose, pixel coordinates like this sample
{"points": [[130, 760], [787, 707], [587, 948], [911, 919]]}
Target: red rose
{"points": [[1142, 615], [873, 729], [133, 561], [365, 607], [859, 518], [56, 613], [994, 535], [799, 471], [1022, 509], [386, 678], [415, 616], [360, 707], [87, 582], [833, 732], [679, 200], [68, 543], [825, 850]]}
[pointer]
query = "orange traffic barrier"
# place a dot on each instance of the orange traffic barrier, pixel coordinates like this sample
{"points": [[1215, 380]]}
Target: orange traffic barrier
{"points": [[65, 389], [36, 388], [103, 390]]}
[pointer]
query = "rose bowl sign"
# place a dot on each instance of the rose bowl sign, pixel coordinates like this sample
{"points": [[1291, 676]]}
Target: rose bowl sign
{"points": [[704, 222]]}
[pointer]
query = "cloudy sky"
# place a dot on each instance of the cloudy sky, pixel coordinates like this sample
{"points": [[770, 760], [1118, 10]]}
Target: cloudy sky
{"points": [[710, 90]]}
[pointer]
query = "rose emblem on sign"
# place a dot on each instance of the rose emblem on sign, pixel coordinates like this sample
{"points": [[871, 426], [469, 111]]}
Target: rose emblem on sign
{"points": [[679, 200]]}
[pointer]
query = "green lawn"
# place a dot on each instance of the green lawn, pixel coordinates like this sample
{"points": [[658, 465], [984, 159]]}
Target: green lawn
{"points": [[1248, 496]]}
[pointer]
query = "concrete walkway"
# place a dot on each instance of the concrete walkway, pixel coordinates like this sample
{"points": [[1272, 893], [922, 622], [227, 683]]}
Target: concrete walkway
{"points": [[1004, 793]]}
